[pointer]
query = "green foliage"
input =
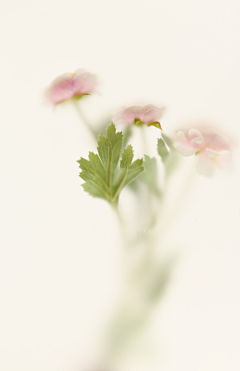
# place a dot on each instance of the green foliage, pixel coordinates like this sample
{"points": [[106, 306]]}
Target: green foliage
{"points": [[103, 176], [162, 149], [172, 160], [126, 135], [167, 140]]}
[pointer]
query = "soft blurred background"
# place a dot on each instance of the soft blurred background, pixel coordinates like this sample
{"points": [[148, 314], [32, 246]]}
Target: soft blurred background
{"points": [[60, 249]]}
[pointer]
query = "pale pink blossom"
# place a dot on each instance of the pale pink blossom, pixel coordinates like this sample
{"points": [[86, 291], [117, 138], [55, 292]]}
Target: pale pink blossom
{"points": [[211, 149], [71, 85], [139, 115]]}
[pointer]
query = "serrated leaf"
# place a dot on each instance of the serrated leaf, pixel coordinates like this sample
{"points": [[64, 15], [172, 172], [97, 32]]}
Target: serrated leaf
{"points": [[128, 170], [134, 170], [162, 149], [103, 176], [109, 149], [127, 156]]}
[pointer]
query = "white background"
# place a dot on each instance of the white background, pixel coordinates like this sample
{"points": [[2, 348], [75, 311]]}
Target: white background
{"points": [[59, 247]]}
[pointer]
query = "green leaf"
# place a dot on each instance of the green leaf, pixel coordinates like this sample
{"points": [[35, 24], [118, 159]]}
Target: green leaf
{"points": [[126, 135], [162, 149], [109, 149], [103, 176], [167, 140], [127, 157], [172, 158]]}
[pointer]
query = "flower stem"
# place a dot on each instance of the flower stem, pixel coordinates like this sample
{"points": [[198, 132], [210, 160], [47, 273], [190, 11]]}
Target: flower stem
{"points": [[168, 217], [144, 142], [84, 119], [122, 226]]}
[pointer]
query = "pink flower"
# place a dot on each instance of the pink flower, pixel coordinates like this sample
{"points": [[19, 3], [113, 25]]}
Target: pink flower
{"points": [[149, 115], [71, 85], [211, 149]]}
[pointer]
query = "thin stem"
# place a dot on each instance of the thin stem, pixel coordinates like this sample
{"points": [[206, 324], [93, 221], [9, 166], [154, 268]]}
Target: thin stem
{"points": [[84, 119], [144, 142], [122, 225], [169, 217], [141, 278], [119, 187]]}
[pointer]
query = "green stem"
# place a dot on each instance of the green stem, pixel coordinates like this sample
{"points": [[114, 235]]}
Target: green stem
{"points": [[84, 119], [169, 216], [144, 142], [122, 226], [120, 186]]}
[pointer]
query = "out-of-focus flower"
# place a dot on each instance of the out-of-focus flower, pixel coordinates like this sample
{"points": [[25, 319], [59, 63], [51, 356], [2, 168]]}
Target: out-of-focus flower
{"points": [[71, 85], [138, 115], [211, 149]]}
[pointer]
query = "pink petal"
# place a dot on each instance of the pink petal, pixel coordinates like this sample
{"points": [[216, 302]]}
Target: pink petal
{"points": [[204, 164], [147, 114], [212, 154], [184, 149], [152, 114], [215, 141], [181, 136], [184, 145], [224, 159], [195, 136], [70, 85], [128, 115], [211, 149], [61, 89], [84, 83], [133, 113]]}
